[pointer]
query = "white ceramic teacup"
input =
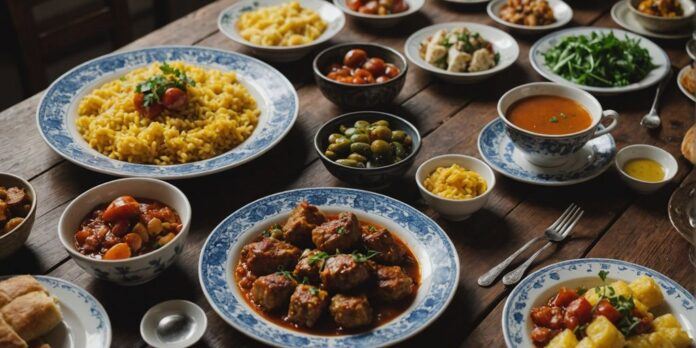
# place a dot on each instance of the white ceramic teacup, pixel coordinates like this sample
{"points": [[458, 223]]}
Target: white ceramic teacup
{"points": [[553, 150]]}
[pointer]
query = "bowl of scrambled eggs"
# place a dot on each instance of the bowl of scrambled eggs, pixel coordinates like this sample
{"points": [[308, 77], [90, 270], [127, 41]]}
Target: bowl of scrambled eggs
{"points": [[455, 186], [281, 30]]}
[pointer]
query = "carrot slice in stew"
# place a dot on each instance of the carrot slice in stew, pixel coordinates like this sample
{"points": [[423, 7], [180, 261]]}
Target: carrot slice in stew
{"points": [[122, 208], [117, 252]]}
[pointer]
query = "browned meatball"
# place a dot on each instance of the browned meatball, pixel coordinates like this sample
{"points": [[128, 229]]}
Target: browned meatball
{"points": [[342, 272], [311, 262], [393, 284], [272, 292], [340, 234], [303, 219], [269, 255], [306, 305], [380, 239], [351, 311]]}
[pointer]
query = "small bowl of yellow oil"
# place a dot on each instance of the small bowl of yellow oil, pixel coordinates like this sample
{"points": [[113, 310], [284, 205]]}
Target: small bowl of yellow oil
{"points": [[645, 168]]}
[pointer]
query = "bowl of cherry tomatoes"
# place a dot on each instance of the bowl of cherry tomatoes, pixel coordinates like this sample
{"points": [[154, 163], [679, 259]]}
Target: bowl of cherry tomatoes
{"points": [[379, 13], [360, 75]]}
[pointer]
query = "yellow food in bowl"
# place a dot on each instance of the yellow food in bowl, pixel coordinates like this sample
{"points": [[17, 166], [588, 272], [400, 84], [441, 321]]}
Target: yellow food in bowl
{"points": [[455, 182], [219, 115], [284, 25], [644, 169]]}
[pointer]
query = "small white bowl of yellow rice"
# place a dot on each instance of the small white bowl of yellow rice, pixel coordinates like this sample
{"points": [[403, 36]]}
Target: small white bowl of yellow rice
{"points": [[455, 186], [281, 30]]}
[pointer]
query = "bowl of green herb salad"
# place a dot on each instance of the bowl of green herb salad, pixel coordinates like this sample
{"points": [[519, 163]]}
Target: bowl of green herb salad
{"points": [[601, 61]]}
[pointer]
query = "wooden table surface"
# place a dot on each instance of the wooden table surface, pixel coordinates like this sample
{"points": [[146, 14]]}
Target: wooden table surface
{"points": [[617, 224]]}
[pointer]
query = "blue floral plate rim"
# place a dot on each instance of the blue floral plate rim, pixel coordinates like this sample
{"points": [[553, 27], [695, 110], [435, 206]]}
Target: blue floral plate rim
{"points": [[490, 155], [439, 272], [96, 313], [279, 103], [514, 319]]}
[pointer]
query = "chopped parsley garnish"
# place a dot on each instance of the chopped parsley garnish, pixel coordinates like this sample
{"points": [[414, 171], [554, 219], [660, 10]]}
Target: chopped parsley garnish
{"points": [[553, 119], [624, 305], [360, 257], [153, 88], [341, 230], [319, 256], [313, 290], [287, 274]]}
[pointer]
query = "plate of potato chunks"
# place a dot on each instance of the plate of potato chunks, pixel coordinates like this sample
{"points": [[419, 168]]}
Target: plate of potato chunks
{"points": [[599, 303]]}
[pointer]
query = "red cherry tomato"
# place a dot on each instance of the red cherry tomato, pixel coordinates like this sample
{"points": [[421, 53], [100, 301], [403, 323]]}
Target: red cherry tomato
{"points": [[355, 58], [556, 322], [399, 6], [362, 76], [577, 313], [391, 70], [541, 316], [174, 98], [370, 7], [563, 298], [121, 208], [151, 111], [542, 336], [354, 4], [375, 66], [606, 309]]}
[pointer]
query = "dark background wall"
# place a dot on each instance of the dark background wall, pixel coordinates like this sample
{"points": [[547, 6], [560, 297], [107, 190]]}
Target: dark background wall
{"points": [[145, 16]]}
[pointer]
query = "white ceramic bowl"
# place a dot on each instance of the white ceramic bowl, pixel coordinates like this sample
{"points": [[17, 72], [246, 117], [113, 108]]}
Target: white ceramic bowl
{"points": [[378, 21], [503, 43], [134, 270], [561, 11], [664, 158], [662, 24], [333, 17], [454, 209]]}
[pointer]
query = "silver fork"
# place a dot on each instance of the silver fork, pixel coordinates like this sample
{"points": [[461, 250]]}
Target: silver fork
{"points": [[489, 277], [557, 235]]}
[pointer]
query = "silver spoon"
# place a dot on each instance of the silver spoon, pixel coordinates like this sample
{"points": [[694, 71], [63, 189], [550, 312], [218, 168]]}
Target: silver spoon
{"points": [[174, 328], [652, 119]]}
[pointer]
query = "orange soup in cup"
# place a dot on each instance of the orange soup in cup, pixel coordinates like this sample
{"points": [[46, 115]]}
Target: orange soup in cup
{"points": [[549, 115]]}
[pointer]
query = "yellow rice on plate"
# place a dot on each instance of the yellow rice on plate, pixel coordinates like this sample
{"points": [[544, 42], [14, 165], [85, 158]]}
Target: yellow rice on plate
{"points": [[219, 115], [455, 182]]}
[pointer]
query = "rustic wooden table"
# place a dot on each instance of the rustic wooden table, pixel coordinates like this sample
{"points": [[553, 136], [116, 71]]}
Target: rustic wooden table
{"points": [[618, 223]]}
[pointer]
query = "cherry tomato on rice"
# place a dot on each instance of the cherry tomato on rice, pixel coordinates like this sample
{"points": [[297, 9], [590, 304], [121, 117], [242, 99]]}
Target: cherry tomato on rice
{"points": [[577, 313], [151, 111], [563, 298], [174, 98]]}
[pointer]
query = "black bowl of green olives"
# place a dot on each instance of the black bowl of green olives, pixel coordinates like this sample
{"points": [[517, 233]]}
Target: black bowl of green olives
{"points": [[367, 148]]}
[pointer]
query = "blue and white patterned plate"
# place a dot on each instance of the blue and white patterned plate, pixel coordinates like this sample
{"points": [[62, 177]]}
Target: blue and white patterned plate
{"points": [[539, 286], [275, 95], [500, 153], [85, 322], [439, 264]]}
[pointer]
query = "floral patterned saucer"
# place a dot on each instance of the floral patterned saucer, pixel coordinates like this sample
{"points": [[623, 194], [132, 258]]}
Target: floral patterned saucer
{"points": [[497, 150]]}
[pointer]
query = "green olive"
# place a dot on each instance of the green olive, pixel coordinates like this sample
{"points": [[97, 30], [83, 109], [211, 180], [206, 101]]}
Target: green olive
{"points": [[339, 149], [380, 148], [399, 135], [350, 131], [358, 157], [399, 150], [342, 140], [381, 123], [360, 138], [380, 133], [334, 136], [350, 163], [361, 124], [407, 141], [361, 148], [330, 154]]}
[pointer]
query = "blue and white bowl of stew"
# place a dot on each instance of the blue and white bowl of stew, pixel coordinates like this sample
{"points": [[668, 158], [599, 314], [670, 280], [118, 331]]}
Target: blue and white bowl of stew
{"points": [[126, 231]]}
